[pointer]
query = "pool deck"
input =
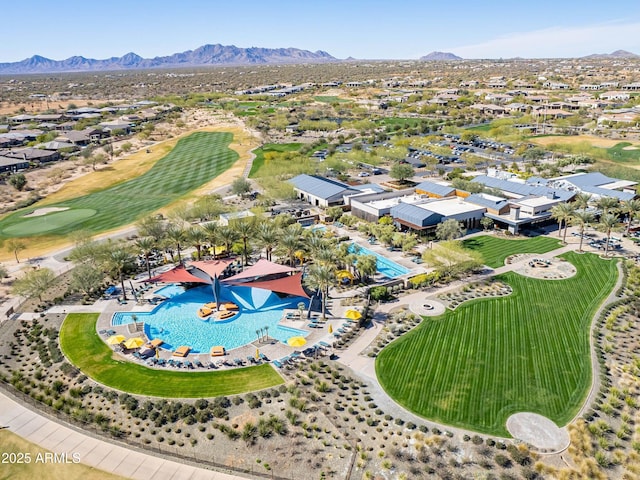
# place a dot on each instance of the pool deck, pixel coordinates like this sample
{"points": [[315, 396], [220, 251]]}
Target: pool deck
{"points": [[271, 348]]}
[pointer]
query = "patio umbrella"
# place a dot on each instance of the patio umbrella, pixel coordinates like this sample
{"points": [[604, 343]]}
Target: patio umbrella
{"points": [[330, 328], [353, 314], [115, 339], [296, 341], [257, 356], [135, 342]]}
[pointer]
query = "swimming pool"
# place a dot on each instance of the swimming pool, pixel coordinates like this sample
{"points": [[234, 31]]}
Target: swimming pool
{"points": [[176, 322], [386, 267], [170, 290]]}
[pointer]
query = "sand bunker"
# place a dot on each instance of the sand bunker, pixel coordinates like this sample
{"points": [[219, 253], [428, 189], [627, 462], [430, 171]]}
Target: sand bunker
{"points": [[43, 211], [630, 147]]}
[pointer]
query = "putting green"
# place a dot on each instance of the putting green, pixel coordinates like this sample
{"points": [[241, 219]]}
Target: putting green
{"points": [[50, 221]]}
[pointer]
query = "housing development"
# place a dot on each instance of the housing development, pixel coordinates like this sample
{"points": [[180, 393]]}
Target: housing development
{"points": [[378, 270]]}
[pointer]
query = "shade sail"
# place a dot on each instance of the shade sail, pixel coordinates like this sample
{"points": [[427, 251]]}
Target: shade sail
{"points": [[177, 275], [291, 285], [260, 269], [213, 268]]}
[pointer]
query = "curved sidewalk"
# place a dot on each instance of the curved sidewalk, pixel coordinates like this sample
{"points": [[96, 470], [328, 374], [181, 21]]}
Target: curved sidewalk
{"points": [[94, 452]]}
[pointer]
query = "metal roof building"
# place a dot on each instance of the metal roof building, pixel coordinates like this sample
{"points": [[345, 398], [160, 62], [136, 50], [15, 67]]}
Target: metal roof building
{"points": [[320, 191]]}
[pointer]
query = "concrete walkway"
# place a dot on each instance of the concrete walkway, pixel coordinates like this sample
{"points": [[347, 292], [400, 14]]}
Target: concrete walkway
{"points": [[96, 453]]}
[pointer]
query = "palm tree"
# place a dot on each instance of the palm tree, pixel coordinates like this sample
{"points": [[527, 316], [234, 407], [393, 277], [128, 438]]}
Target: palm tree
{"points": [[321, 277], [314, 243], [268, 236], [326, 256], [367, 266], [290, 243], [631, 208], [581, 218], [244, 228], [562, 212], [607, 223], [582, 200], [196, 237], [211, 230], [146, 245], [176, 237], [606, 204], [116, 261], [228, 236]]}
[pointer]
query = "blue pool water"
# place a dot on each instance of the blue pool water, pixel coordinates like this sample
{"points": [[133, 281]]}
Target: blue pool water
{"points": [[386, 267], [170, 290], [176, 321]]}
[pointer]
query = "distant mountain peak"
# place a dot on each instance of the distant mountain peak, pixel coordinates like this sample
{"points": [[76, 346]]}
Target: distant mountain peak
{"points": [[211, 54], [440, 56], [616, 54]]}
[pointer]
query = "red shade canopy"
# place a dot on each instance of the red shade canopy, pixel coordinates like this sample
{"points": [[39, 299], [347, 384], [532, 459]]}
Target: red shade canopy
{"points": [[212, 268], [290, 284], [260, 269], [177, 275]]}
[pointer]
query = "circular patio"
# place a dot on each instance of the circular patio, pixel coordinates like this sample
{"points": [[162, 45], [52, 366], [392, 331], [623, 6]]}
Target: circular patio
{"points": [[427, 307], [535, 266]]}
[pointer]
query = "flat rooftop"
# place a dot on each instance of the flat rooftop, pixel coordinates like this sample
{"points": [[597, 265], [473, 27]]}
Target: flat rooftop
{"points": [[392, 202], [453, 206]]}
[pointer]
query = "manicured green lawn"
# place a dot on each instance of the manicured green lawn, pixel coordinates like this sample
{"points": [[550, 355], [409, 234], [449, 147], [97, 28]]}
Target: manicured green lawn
{"points": [[495, 250], [258, 162], [618, 154], [194, 161], [86, 350], [490, 358]]}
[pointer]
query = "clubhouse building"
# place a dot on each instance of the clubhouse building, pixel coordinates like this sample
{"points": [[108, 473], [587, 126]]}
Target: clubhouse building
{"points": [[513, 204]]}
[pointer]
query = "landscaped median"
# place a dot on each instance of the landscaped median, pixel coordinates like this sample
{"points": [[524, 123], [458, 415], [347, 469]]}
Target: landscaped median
{"points": [[84, 348], [492, 357]]}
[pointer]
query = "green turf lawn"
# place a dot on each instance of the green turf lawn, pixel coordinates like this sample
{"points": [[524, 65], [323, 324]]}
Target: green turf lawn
{"points": [[481, 128], [85, 349], [495, 250], [258, 162], [194, 161], [618, 154], [490, 358]]}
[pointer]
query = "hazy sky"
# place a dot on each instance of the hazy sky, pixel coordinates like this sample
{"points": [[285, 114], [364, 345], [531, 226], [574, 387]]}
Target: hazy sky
{"points": [[371, 29]]}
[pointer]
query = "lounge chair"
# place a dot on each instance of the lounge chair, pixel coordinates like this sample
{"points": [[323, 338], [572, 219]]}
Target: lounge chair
{"points": [[264, 357], [324, 344], [187, 364], [277, 363], [197, 363], [162, 362], [212, 365]]}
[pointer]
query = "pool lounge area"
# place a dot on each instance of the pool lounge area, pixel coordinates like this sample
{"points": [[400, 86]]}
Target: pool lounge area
{"points": [[176, 323]]}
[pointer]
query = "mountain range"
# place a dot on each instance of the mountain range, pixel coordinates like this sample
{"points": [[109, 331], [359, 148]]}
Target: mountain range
{"points": [[206, 55], [616, 54], [211, 55]]}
